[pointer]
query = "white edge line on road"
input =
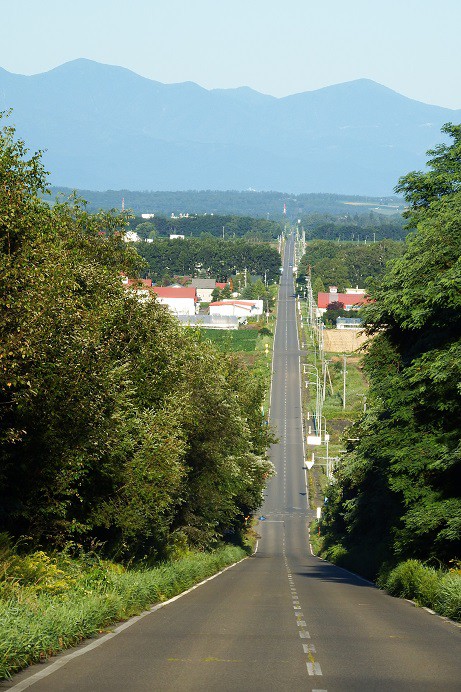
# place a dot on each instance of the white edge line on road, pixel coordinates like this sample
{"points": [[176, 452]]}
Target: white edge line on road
{"points": [[63, 660]]}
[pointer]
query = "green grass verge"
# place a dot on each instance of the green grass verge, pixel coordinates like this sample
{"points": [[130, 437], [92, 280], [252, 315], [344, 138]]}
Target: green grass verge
{"points": [[71, 600]]}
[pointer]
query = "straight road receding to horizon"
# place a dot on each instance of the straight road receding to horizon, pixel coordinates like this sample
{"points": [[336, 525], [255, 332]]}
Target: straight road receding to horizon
{"points": [[282, 619]]}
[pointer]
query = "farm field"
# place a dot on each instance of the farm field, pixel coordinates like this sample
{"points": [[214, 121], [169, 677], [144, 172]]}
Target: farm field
{"points": [[232, 340]]}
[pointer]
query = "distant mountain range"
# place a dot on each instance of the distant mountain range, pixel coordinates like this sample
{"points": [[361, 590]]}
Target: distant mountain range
{"points": [[105, 127]]}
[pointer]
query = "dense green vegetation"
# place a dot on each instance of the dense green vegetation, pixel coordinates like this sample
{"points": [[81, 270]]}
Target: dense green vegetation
{"points": [[347, 264], [365, 227], [214, 257], [210, 224], [245, 203], [51, 602], [119, 428], [396, 494], [431, 587]]}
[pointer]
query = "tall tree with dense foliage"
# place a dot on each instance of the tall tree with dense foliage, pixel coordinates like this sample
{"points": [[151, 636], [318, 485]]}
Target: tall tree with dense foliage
{"points": [[397, 490], [348, 264], [116, 424], [214, 257]]}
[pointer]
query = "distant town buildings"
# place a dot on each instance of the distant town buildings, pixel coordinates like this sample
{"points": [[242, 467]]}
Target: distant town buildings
{"points": [[348, 323], [179, 300], [352, 299], [210, 321], [205, 288], [237, 308], [131, 237]]}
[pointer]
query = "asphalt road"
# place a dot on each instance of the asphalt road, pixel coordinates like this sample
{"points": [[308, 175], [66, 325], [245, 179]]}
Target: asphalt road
{"points": [[280, 620]]}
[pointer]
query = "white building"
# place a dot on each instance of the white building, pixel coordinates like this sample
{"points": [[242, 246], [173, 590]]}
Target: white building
{"points": [[204, 288], [131, 237], [180, 301], [209, 321], [239, 308]]}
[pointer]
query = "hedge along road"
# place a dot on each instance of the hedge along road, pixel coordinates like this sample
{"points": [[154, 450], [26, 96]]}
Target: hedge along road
{"points": [[280, 620]]}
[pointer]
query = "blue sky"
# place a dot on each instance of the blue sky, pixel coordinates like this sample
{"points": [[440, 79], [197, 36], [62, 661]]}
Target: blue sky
{"points": [[278, 48]]}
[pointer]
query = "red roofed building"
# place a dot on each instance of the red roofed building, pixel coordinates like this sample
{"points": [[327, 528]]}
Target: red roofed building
{"points": [[137, 282], [180, 300], [352, 299]]}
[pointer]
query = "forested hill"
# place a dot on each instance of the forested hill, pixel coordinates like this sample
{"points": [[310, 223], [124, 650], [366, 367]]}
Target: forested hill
{"points": [[232, 202], [225, 227], [105, 127]]}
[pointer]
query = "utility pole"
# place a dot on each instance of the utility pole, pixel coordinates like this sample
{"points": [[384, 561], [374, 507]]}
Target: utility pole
{"points": [[344, 379]]}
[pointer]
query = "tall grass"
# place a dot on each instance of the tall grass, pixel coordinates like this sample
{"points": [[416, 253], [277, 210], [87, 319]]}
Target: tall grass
{"points": [[434, 588], [41, 618]]}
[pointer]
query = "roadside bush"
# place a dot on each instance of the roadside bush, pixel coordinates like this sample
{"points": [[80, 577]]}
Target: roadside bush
{"points": [[336, 554], [411, 579], [448, 600]]}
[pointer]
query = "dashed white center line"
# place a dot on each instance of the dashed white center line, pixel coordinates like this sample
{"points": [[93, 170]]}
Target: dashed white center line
{"points": [[309, 648], [314, 668]]}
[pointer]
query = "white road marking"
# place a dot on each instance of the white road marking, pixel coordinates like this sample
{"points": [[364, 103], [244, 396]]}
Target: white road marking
{"points": [[304, 634], [309, 647], [301, 623], [314, 668]]}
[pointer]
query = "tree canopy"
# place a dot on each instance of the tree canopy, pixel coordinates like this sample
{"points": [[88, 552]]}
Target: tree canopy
{"points": [[397, 490], [118, 427], [421, 188], [366, 226], [213, 257], [347, 264]]}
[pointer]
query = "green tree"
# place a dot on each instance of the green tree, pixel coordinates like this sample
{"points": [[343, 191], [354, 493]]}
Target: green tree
{"points": [[116, 424], [420, 189], [405, 466], [146, 229]]}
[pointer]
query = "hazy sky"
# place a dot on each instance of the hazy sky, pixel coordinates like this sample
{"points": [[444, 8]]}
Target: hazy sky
{"points": [[279, 48]]}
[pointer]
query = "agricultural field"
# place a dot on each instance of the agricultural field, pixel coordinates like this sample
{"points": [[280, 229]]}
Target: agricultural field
{"points": [[233, 340]]}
